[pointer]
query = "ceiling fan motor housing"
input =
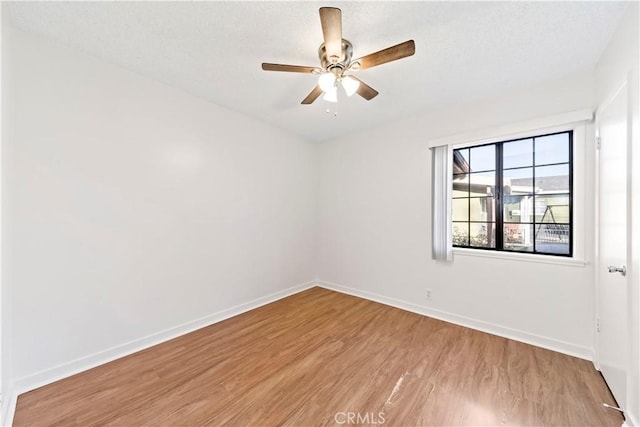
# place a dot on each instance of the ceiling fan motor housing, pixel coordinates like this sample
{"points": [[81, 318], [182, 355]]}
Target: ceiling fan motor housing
{"points": [[336, 65]]}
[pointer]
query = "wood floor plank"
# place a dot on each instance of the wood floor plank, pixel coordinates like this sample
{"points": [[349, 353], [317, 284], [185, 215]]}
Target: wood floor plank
{"points": [[308, 358]]}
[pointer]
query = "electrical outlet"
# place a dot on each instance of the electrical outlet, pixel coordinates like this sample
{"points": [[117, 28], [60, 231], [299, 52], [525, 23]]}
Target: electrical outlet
{"points": [[428, 295]]}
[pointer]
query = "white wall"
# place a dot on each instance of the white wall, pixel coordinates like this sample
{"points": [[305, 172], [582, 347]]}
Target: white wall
{"points": [[5, 221], [374, 227], [139, 208], [618, 63]]}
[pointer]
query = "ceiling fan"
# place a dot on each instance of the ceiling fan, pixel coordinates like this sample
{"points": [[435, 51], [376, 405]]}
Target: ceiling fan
{"points": [[336, 63]]}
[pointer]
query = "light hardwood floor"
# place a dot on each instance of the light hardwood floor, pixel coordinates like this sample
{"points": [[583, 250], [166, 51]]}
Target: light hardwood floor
{"points": [[312, 358]]}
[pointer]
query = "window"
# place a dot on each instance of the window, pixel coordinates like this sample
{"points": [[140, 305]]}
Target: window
{"points": [[515, 195]]}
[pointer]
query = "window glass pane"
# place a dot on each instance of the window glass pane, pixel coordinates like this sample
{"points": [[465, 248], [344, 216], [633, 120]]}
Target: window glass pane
{"points": [[552, 209], [461, 161], [482, 183], [552, 179], [552, 149], [518, 181], [539, 207], [482, 209], [552, 238], [483, 158], [518, 208], [483, 235], [518, 237], [517, 153], [460, 209], [535, 195], [461, 185], [461, 234]]}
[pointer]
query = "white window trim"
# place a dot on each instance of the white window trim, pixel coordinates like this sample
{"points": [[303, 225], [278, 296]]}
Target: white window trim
{"points": [[516, 256], [515, 130], [576, 121]]}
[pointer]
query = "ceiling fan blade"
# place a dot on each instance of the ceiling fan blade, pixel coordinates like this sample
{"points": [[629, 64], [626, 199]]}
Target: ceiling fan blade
{"points": [[331, 20], [315, 93], [364, 90], [290, 68], [389, 54]]}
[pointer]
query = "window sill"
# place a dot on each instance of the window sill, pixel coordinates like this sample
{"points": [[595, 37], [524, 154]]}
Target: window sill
{"points": [[541, 259]]}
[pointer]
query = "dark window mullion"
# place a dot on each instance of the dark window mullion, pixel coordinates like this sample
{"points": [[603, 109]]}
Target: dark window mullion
{"points": [[570, 194], [499, 200], [469, 204], [551, 164]]}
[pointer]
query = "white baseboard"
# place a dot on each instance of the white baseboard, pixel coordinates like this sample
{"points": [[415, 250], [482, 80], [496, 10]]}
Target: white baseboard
{"points": [[47, 376], [9, 401], [630, 421], [491, 328], [595, 360]]}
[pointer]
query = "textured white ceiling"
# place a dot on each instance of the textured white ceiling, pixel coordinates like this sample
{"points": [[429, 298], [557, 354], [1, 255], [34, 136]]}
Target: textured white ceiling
{"points": [[464, 50]]}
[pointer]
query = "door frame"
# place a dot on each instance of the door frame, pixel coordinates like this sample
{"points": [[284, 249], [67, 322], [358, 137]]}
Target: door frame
{"points": [[624, 84]]}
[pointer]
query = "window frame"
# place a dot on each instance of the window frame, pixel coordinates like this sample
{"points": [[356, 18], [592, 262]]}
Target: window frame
{"points": [[499, 196], [584, 157]]}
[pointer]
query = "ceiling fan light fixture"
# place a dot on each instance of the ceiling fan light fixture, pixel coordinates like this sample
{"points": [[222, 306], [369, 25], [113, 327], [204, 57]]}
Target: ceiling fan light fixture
{"points": [[350, 85], [331, 95], [327, 81]]}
